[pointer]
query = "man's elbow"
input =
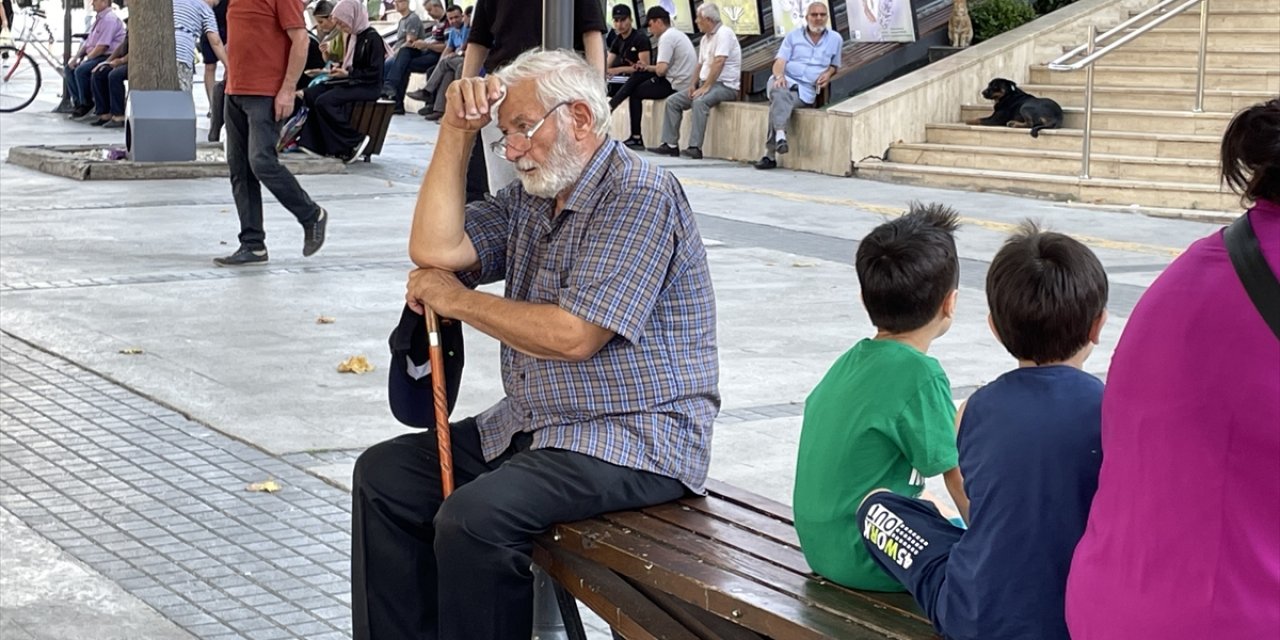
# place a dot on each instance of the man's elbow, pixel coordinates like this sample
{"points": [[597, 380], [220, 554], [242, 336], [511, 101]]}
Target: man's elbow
{"points": [[584, 341]]}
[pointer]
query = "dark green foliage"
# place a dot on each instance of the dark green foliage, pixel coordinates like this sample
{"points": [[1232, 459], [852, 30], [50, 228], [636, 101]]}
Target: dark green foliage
{"points": [[994, 17], [1044, 7]]}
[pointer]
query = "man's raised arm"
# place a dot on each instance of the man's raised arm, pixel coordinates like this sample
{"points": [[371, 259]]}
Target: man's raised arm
{"points": [[438, 237]]}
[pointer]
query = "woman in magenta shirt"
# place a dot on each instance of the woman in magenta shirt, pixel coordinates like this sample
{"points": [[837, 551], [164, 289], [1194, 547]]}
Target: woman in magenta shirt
{"points": [[1183, 540]]}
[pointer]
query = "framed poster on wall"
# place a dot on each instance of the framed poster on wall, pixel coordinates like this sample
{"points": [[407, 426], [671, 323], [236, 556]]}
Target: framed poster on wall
{"points": [[742, 16], [681, 13], [881, 21]]}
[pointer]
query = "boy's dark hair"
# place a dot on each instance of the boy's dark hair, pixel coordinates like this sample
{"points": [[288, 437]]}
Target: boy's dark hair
{"points": [[1045, 290], [1251, 152], [908, 266]]}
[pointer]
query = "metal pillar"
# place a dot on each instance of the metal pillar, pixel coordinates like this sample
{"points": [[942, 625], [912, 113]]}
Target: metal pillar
{"points": [[65, 103], [557, 24]]}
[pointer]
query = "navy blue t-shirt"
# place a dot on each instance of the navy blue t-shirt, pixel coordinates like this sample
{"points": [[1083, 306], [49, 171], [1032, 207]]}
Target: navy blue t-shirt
{"points": [[1030, 448]]}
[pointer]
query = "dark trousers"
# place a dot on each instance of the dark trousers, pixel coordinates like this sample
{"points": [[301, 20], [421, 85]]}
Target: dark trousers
{"points": [[459, 569], [328, 129], [252, 132], [640, 87], [408, 60], [75, 82], [217, 102], [108, 90]]}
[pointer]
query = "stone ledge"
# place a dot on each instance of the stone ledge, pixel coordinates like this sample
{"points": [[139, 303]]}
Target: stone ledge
{"points": [[76, 162]]}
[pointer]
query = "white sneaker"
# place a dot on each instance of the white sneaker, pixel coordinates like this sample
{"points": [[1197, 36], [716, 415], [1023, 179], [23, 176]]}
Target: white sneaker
{"points": [[359, 150]]}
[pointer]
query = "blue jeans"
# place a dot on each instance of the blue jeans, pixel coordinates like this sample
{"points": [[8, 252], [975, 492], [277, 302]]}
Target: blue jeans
{"points": [[408, 60], [108, 90], [76, 82], [252, 132]]}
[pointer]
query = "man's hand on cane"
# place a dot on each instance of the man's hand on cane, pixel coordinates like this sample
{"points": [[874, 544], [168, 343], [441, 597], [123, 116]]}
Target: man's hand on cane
{"points": [[433, 288]]}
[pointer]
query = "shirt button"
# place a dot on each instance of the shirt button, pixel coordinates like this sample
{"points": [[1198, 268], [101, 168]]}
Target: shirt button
{"points": [[529, 415], [522, 376]]}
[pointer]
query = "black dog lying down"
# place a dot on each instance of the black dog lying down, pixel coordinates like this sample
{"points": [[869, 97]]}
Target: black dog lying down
{"points": [[1017, 108]]}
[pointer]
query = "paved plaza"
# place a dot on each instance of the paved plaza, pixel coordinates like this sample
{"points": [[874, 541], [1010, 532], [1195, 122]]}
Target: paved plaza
{"points": [[142, 389]]}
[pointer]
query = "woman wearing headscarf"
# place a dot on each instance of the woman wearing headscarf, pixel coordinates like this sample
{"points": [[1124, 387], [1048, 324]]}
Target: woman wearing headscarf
{"points": [[328, 129]]}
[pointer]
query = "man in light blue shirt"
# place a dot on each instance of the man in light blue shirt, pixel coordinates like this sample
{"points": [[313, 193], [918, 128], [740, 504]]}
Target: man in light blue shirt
{"points": [[807, 60]]}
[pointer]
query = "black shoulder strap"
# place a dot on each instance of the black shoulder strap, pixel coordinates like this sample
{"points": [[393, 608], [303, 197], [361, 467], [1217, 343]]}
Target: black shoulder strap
{"points": [[1260, 283]]}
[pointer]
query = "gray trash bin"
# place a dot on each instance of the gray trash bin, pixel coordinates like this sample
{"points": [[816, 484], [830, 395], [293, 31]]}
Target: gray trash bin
{"points": [[160, 126]]}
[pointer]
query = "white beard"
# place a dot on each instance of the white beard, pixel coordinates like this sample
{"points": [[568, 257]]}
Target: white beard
{"points": [[817, 31], [561, 170]]}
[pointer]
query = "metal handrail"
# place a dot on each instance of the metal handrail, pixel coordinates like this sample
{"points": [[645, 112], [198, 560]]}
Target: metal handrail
{"points": [[1093, 54]]}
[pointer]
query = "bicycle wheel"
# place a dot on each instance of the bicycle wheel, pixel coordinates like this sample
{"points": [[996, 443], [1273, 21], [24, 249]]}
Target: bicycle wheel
{"points": [[19, 79]]}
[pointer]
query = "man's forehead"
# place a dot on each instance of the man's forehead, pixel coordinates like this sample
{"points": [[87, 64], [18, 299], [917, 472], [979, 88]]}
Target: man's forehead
{"points": [[520, 107]]}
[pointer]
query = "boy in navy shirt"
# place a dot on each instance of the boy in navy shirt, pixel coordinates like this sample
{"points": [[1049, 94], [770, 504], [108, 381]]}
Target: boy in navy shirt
{"points": [[1030, 449]]}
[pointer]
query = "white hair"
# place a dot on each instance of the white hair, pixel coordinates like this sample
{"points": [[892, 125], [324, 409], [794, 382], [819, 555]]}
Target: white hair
{"points": [[561, 76], [710, 12]]}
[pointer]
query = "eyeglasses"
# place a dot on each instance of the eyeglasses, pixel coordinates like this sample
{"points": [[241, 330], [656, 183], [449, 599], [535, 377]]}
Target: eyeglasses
{"points": [[499, 146]]}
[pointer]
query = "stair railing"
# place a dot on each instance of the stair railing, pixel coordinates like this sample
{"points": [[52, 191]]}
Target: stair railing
{"points": [[1093, 54]]}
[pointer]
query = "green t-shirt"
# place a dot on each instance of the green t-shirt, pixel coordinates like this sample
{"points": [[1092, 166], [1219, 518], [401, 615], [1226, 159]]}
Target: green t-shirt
{"points": [[882, 417]]}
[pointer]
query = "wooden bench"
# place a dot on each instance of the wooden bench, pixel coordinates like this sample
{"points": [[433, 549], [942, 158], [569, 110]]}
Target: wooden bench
{"points": [[725, 566], [372, 119]]}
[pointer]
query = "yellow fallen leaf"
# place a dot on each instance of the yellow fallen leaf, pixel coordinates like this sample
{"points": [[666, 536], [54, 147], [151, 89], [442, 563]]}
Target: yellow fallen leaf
{"points": [[132, 351], [269, 486], [326, 320], [803, 264], [355, 364]]}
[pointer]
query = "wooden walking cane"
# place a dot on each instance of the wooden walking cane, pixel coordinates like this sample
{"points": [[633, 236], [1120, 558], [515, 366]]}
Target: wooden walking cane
{"points": [[441, 398]]}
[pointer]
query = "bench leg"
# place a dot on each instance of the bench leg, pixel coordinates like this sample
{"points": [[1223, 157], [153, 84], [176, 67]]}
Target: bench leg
{"points": [[570, 615]]}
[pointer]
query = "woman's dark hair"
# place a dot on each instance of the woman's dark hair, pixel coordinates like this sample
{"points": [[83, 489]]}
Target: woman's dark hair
{"points": [[1251, 152], [1045, 291], [908, 266]]}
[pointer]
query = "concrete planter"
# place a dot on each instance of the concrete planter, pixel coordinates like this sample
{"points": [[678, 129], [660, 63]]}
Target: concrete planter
{"points": [[89, 162]]}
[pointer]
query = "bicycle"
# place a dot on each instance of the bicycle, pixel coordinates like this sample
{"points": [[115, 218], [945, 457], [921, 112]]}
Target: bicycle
{"points": [[19, 72]]}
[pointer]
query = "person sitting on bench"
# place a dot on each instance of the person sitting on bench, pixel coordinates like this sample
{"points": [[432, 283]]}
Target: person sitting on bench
{"points": [[807, 60], [609, 360], [629, 49], [328, 131], [719, 78], [882, 416], [408, 31], [673, 72], [107, 81], [1030, 447], [450, 66]]}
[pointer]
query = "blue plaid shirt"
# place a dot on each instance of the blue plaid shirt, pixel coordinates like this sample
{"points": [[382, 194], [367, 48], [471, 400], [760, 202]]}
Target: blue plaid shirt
{"points": [[624, 254]]}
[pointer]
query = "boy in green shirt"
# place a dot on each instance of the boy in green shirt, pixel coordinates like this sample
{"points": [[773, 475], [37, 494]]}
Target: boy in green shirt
{"points": [[882, 417]]}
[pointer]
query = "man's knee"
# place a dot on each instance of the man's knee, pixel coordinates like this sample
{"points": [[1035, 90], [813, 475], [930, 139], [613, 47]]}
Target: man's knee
{"points": [[377, 468], [470, 517]]}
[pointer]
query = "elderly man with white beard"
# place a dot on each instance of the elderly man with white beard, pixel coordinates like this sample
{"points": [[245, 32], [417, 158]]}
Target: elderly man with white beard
{"points": [[609, 362], [807, 60]]}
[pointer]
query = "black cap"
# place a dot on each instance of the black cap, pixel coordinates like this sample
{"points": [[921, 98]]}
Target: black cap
{"points": [[411, 398], [621, 11], [658, 13]]}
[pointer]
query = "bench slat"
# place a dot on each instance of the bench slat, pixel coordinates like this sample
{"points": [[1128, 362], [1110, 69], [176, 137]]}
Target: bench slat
{"points": [[756, 606], [768, 524], [828, 596], [619, 604], [705, 625]]}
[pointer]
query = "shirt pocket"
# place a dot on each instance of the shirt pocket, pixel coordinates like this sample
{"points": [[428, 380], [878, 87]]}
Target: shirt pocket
{"points": [[546, 286]]}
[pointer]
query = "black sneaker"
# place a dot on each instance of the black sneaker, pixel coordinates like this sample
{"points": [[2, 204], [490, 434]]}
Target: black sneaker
{"points": [[665, 150], [766, 163], [242, 257], [782, 146], [355, 153], [398, 110], [693, 153], [635, 143], [80, 112], [425, 110], [313, 234], [420, 95]]}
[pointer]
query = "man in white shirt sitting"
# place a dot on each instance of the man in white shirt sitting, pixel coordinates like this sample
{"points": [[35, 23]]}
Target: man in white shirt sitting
{"points": [[719, 78]]}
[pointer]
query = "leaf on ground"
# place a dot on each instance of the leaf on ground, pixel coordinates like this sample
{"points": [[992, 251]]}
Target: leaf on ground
{"points": [[803, 264], [326, 320], [268, 486], [132, 351], [390, 184], [355, 364]]}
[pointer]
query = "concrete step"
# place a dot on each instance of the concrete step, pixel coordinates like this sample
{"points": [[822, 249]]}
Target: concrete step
{"points": [[1059, 163], [1251, 39], [1223, 19], [1150, 98], [1066, 188], [1131, 56], [1164, 77], [1153, 145], [1266, 6], [1136, 120]]}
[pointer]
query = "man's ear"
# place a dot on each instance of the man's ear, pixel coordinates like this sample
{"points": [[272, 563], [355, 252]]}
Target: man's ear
{"points": [[583, 120], [1095, 332]]}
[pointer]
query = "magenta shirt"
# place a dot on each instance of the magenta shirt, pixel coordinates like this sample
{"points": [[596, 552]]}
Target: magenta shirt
{"points": [[1183, 540], [107, 30]]}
